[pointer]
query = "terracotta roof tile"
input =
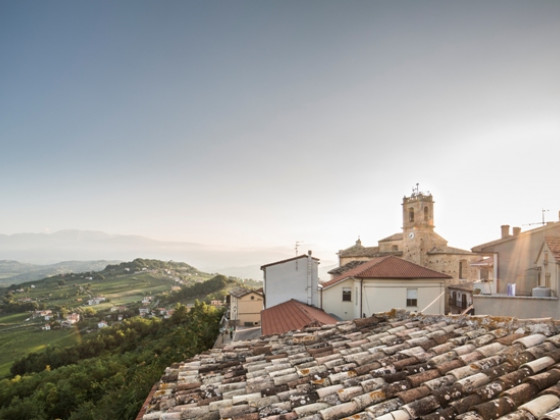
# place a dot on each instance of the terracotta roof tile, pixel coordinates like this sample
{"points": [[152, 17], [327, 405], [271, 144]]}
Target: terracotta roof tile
{"points": [[388, 267], [292, 315], [374, 368]]}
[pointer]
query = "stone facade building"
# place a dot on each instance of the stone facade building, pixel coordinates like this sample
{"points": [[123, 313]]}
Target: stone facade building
{"points": [[418, 243]]}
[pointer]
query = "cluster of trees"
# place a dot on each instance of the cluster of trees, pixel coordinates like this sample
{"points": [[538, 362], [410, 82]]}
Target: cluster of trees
{"points": [[9, 305], [215, 288], [110, 373]]}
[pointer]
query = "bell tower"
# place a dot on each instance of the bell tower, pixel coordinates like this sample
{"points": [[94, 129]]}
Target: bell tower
{"points": [[418, 212], [418, 225]]}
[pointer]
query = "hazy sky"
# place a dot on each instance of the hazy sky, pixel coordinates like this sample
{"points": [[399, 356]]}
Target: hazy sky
{"points": [[262, 123]]}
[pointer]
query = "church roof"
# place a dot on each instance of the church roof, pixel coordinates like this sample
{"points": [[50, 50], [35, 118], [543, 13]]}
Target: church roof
{"points": [[449, 250], [291, 316], [394, 237], [358, 250], [346, 267]]}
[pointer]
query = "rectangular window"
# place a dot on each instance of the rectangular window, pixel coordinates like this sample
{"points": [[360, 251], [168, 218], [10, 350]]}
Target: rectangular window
{"points": [[411, 297], [347, 294]]}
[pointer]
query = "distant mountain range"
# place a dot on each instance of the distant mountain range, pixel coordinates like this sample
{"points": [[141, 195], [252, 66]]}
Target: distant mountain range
{"points": [[93, 246], [14, 272]]}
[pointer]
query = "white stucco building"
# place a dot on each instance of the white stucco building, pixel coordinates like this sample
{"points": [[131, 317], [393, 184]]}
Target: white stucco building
{"points": [[382, 284], [295, 278]]}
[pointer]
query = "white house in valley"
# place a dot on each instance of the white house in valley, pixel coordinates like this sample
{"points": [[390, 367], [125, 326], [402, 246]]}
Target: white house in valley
{"points": [[382, 284]]}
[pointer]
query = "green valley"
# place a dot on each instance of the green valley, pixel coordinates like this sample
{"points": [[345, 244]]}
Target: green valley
{"points": [[119, 327]]}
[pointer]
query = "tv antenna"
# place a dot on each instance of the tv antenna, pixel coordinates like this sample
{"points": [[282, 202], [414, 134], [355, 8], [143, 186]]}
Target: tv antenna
{"points": [[298, 243], [543, 222]]}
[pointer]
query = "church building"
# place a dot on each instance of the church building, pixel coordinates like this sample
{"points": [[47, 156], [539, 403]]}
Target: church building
{"points": [[417, 242]]}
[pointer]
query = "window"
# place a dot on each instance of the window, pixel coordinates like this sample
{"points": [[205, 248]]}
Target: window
{"points": [[411, 215], [347, 294], [461, 266], [411, 297], [426, 214]]}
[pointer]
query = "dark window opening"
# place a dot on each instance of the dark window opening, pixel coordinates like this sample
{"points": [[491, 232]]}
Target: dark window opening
{"points": [[411, 297], [346, 295]]}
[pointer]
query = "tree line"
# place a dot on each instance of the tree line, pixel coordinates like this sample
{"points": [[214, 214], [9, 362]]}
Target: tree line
{"points": [[110, 373]]}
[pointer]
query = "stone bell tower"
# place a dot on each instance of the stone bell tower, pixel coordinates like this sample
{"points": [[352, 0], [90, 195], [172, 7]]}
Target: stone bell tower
{"points": [[418, 226]]}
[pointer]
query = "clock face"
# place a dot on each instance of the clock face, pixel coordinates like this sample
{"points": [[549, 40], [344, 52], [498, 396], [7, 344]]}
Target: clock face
{"points": [[411, 235]]}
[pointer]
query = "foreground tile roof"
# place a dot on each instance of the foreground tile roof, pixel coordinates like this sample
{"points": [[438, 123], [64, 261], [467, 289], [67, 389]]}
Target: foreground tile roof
{"points": [[394, 366], [292, 315]]}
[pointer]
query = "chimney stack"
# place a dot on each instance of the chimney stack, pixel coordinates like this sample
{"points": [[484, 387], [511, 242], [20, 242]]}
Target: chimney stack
{"points": [[516, 231], [505, 231]]}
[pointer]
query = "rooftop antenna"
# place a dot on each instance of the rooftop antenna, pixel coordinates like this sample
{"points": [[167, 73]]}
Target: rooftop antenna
{"points": [[298, 243], [542, 222]]}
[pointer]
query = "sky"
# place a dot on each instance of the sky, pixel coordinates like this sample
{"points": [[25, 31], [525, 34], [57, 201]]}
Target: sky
{"points": [[247, 124]]}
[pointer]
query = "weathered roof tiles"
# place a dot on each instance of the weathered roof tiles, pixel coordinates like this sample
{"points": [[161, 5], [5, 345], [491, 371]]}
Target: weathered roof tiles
{"points": [[390, 367]]}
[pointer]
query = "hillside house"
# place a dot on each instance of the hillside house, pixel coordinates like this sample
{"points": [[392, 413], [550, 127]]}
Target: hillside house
{"points": [[382, 284], [245, 307], [96, 301], [295, 278]]}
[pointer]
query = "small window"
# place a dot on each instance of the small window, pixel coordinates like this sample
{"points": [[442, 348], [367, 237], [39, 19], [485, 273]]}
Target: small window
{"points": [[347, 294], [411, 215], [426, 214], [411, 297]]}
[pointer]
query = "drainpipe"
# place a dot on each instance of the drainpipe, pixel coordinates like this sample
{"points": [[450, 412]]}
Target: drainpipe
{"points": [[309, 282], [361, 297]]}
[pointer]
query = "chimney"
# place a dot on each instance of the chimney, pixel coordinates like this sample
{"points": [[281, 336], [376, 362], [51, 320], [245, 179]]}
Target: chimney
{"points": [[505, 231], [309, 252], [516, 231]]}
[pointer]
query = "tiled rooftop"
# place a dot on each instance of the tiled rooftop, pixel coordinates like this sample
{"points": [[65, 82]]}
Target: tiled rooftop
{"points": [[394, 366], [388, 267], [292, 315]]}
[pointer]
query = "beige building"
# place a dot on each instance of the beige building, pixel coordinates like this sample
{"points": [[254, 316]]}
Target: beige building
{"points": [[514, 258], [382, 284], [418, 243], [548, 265], [245, 307]]}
